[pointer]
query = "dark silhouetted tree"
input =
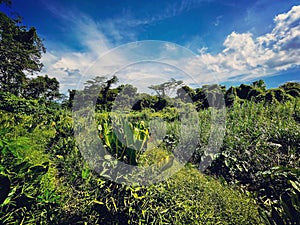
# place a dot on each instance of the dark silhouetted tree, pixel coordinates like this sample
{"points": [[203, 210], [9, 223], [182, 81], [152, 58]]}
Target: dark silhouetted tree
{"points": [[291, 88]]}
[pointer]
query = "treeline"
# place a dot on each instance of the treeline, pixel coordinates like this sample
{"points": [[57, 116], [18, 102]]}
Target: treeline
{"points": [[99, 91]]}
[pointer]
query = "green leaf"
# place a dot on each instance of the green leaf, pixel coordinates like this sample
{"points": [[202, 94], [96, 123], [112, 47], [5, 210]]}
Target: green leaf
{"points": [[98, 202], [295, 185], [85, 173]]}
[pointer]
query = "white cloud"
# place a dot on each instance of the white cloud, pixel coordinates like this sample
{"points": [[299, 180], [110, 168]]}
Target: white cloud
{"points": [[170, 46], [245, 57], [202, 50]]}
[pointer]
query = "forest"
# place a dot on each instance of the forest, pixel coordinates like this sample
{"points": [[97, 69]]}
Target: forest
{"points": [[46, 178]]}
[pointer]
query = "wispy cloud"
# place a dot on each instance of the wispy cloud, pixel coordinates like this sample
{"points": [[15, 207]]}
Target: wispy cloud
{"points": [[218, 20], [69, 66], [167, 10]]}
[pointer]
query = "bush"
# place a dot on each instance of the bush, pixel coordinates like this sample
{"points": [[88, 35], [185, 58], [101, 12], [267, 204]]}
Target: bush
{"points": [[258, 139]]}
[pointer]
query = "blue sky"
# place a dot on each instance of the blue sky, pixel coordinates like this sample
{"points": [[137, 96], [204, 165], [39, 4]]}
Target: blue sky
{"points": [[229, 42]]}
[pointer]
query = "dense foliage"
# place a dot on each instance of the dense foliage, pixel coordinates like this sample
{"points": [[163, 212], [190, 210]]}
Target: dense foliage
{"points": [[46, 181]]}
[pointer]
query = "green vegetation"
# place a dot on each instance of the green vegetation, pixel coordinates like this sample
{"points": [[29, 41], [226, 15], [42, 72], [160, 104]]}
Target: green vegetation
{"points": [[45, 179]]}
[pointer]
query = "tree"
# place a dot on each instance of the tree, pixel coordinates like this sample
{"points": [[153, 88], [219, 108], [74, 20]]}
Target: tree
{"points": [[128, 90], [106, 96], [108, 85], [209, 96], [291, 88], [99, 90], [20, 53], [126, 96], [164, 89], [42, 87], [145, 101], [214, 95], [230, 96], [69, 103], [259, 84], [243, 90], [186, 93], [93, 87]]}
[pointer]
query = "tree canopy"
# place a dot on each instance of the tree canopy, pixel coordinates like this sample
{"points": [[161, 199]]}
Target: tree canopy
{"points": [[42, 87], [164, 89], [20, 53]]}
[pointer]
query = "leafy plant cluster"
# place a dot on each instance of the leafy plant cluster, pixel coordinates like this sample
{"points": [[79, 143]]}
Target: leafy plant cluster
{"points": [[123, 139], [260, 153], [27, 185]]}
